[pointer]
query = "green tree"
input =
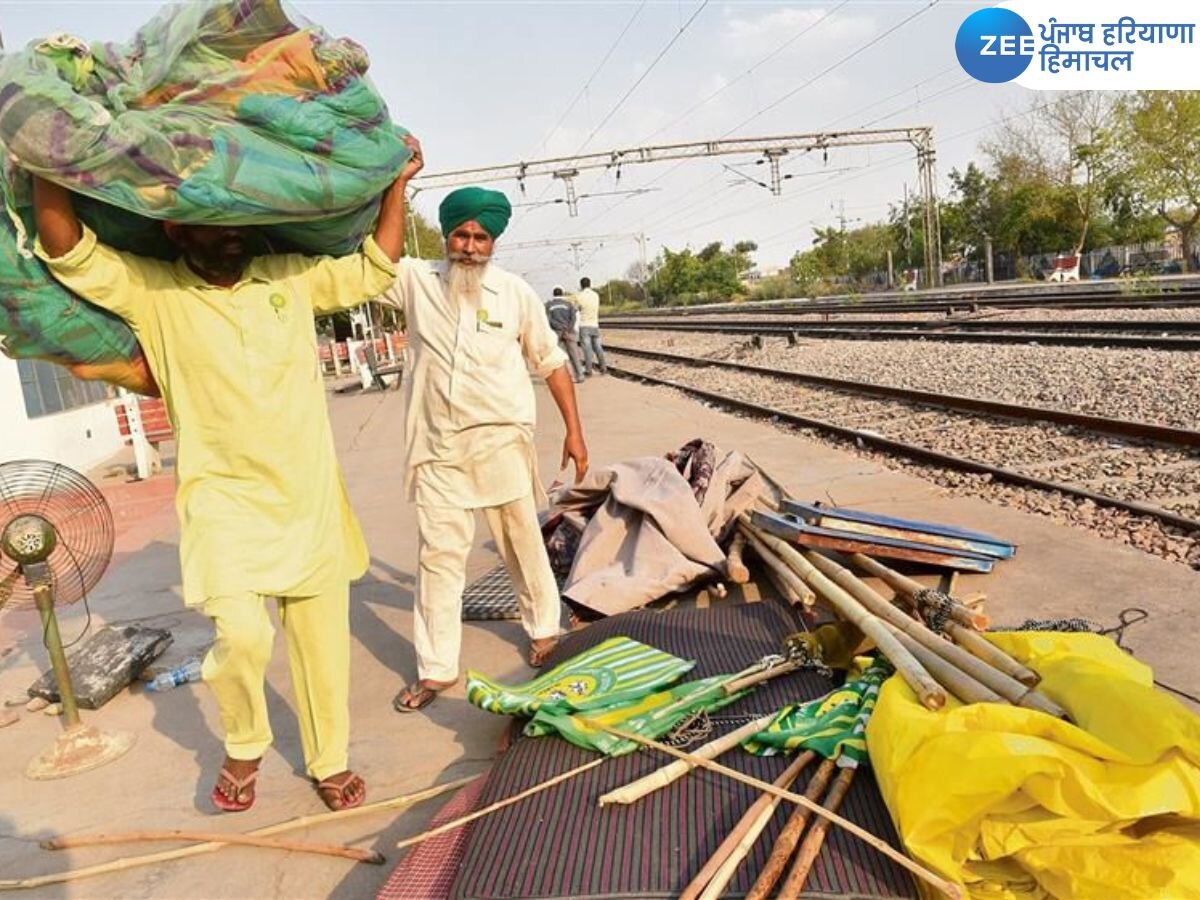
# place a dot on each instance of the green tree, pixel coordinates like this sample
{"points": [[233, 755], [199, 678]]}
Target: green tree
{"points": [[429, 243], [1159, 136]]}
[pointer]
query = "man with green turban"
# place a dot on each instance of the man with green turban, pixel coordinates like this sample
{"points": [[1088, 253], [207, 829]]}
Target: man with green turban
{"points": [[475, 332]]}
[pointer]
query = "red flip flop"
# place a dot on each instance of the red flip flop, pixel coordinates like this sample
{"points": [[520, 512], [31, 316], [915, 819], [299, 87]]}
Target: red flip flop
{"points": [[223, 803]]}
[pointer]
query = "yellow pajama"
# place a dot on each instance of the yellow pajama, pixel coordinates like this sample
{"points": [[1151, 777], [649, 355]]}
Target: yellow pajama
{"points": [[446, 535], [317, 631]]}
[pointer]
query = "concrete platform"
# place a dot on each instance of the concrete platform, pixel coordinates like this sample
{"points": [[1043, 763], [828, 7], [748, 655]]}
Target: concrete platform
{"points": [[163, 783]]}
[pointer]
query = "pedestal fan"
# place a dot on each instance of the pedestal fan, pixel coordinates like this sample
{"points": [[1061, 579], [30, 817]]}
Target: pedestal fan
{"points": [[56, 539]]}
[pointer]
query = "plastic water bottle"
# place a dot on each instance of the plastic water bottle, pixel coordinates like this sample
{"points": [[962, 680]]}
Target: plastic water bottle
{"points": [[189, 671]]}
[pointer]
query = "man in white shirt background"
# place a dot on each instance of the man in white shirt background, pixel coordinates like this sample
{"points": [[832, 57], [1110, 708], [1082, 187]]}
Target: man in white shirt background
{"points": [[588, 302]]}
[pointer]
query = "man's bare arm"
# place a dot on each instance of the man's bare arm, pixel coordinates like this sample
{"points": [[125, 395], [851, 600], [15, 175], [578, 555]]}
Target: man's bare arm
{"points": [[389, 233], [57, 225], [562, 389]]}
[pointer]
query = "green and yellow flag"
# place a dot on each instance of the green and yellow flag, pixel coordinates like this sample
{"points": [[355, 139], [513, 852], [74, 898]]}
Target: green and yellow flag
{"points": [[652, 716], [619, 670], [833, 725]]}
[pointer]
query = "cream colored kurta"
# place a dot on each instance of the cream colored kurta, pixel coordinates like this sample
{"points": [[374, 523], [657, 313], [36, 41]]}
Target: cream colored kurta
{"points": [[470, 408], [260, 496]]}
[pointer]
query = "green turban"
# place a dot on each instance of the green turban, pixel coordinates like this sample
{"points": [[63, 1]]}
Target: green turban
{"points": [[490, 209]]}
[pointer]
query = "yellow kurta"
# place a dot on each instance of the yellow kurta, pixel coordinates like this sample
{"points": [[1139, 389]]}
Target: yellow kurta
{"points": [[470, 408], [260, 495]]}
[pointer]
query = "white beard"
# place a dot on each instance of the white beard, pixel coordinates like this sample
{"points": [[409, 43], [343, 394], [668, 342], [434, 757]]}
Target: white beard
{"points": [[466, 283]]}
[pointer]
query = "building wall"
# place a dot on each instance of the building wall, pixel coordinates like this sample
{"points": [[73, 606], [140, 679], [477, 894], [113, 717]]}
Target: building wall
{"points": [[81, 438]]}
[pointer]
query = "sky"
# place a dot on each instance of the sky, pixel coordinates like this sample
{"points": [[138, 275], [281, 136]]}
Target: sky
{"points": [[497, 82]]}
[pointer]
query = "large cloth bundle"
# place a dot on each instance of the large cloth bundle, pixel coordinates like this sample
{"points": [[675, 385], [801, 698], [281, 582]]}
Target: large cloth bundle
{"points": [[227, 112], [1010, 802]]}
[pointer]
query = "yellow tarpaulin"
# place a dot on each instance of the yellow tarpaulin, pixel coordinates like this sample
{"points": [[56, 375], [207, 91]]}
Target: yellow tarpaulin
{"points": [[1015, 803]]}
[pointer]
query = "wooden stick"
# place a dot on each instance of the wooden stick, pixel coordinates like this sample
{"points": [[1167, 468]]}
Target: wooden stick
{"points": [[501, 804], [660, 778], [953, 679], [735, 565], [973, 643], [95, 840], [712, 878], [794, 885], [977, 645], [795, 591], [131, 862], [983, 684], [786, 590], [946, 887], [790, 836], [910, 588], [931, 694]]}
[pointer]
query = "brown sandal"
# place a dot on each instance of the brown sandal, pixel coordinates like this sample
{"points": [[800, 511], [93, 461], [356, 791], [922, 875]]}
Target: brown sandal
{"points": [[540, 650], [419, 695], [334, 791]]}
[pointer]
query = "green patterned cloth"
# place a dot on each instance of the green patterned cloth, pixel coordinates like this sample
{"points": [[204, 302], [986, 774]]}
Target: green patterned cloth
{"points": [[216, 112], [833, 725], [652, 716], [617, 671]]}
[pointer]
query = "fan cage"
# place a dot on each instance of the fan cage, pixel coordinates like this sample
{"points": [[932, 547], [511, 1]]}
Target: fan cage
{"points": [[81, 519]]}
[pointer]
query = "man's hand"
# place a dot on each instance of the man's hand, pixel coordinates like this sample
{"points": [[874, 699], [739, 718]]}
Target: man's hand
{"points": [[575, 450], [389, 232], [415, 163]]}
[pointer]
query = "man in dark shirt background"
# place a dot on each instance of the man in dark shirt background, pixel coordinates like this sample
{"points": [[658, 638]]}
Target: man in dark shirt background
{"points": [[562, 313]]}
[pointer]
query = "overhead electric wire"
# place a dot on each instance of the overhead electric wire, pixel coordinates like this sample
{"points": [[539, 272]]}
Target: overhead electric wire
{"points": [[596, 71], [629, 93], [745, 74], [790, 94], [845, 59]]}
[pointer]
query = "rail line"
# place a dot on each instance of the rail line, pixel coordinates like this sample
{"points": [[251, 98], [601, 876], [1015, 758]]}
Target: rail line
{"points": [[1165, 298], [1116, 337], [972, 409]]}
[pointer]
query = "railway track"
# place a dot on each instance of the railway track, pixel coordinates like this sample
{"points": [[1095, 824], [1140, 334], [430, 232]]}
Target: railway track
{"points": [[1138, 468], [1056, 333], [1167, 298]]}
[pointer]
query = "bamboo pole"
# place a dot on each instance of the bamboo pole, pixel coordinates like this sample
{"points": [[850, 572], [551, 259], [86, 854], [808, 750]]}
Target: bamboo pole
{"points": [[130, 837], [790, 836], [786, 590], [500, 804], [131, 862], [977, 645], [811, 847], [946, 887], [735, 564], [962, 633], [742, 682], [660, 778], [794, 589], [910, 588], [953, 679], [996, 686], [715, 874], [930, 693]]}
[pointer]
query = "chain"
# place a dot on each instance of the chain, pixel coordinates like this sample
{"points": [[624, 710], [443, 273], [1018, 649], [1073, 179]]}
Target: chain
{"points": [[935, 607]]}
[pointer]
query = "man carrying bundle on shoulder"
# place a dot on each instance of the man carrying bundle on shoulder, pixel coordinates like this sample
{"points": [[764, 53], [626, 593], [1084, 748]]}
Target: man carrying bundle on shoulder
{"points": [[228, 337]]}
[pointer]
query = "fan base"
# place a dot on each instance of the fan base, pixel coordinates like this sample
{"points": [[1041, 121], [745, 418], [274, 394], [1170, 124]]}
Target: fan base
{"points": [[78, 749]]}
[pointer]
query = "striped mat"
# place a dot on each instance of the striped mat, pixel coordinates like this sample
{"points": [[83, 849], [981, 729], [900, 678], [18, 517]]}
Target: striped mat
{"points": [[560, 844], [427, 871]]}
